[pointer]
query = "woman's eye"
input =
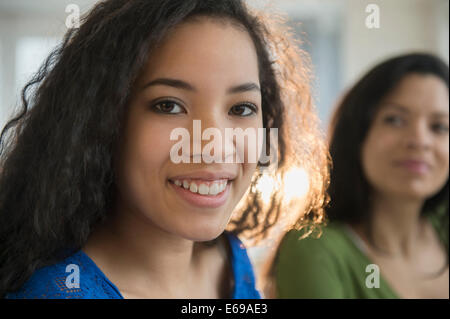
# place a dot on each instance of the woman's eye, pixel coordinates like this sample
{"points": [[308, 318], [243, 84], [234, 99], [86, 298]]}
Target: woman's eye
{"points": [[440, 128], [393, 120], [168, 107], [245, 109]]}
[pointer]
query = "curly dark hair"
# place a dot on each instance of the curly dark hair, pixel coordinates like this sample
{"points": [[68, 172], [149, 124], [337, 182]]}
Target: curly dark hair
{"points": [[57, 182]]}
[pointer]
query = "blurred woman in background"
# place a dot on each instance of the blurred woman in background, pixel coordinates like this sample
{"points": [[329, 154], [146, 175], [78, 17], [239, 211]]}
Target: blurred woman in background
{"points": [[388, 216]]}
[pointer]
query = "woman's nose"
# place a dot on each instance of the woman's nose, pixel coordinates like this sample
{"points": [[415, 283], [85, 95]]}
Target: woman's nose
{"points": [[210, 140], [419, 136]]}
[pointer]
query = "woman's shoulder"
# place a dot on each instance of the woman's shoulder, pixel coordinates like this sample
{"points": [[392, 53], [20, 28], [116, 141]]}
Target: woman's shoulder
{"points": [[330, 238], [334, 247], [74, 277]]}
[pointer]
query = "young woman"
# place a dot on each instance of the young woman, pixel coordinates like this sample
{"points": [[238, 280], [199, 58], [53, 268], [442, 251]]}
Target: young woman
{"points": [[388, 212], [92, 203]]}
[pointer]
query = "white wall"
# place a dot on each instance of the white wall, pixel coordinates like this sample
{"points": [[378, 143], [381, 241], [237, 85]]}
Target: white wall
{"points": [[43, 24], [13, 31], [405, 25]]}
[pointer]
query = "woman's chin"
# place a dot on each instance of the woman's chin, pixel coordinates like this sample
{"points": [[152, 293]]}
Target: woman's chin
{"points": [[415, 193], [200, 234]]}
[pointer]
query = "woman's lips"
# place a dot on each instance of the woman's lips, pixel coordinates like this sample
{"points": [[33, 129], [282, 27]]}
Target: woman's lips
{"points": [[414, 166], [203, 201]]}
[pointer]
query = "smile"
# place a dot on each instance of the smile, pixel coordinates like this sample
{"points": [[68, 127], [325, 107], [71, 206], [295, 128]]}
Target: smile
{"points": [[202, 193], [202, 187]]}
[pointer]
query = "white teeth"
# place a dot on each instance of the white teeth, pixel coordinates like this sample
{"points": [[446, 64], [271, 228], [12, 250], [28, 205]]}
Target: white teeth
{"points": [[203, 189], [213, 189], [221, 187], [193, 188]]}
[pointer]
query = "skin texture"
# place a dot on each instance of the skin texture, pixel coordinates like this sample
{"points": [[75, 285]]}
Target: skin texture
{"points": [[411, 123], [153, 248]]}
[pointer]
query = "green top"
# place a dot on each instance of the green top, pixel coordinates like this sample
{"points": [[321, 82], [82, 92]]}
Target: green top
{"points": [[332, 266]]}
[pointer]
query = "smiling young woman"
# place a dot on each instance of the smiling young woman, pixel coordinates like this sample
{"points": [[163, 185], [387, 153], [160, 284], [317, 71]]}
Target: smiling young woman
{"points": [[88, 179]]}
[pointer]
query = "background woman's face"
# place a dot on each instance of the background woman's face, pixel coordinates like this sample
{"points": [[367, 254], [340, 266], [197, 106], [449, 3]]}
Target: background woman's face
{"points": [[204, 60], [406, 152]]}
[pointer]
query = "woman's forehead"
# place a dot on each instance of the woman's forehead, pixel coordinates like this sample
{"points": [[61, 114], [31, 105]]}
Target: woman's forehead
{"points": [[418, 93], [204, 51]]}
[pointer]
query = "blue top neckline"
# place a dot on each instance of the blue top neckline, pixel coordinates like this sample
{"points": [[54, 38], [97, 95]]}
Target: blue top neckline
{"points": [[51, 282], [119, 294]]}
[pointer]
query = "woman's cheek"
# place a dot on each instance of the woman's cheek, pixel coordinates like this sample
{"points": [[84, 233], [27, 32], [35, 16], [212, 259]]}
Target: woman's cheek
{"points": [[154, 142], [383, 143], [442, 157]]}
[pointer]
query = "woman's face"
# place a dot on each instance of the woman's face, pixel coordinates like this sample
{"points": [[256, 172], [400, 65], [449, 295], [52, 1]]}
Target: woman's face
{"points": [[203, 70], [407, 148]]}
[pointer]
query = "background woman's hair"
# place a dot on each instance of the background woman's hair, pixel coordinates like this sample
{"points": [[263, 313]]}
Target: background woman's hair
{"points": [[56, 170], [349, 189]]}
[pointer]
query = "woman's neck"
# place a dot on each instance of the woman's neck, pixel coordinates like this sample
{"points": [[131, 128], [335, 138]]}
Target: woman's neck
{"points": [[396, 225], [136, 253]]}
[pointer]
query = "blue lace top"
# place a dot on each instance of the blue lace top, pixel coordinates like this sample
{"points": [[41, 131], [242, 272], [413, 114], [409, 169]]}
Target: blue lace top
{"points": [[50, 282]]}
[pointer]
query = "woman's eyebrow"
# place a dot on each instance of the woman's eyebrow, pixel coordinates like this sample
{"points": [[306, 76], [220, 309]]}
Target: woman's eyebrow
{"points": [[180, 84], [406, 110], [244, 88], [399, 107], [440, 114]]}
